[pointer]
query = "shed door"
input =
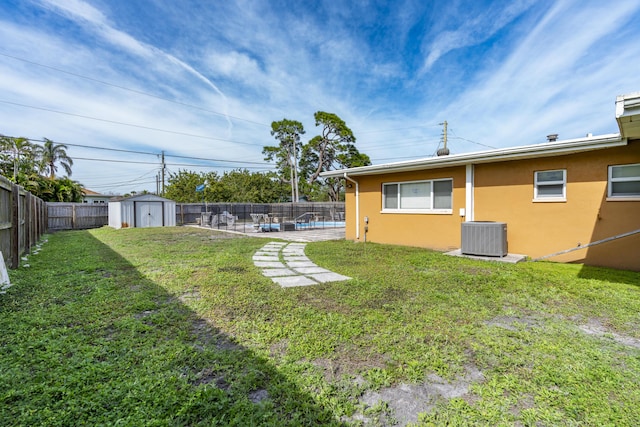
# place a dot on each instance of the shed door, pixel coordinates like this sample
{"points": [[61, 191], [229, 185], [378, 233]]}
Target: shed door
{"points": [[148, 214]]}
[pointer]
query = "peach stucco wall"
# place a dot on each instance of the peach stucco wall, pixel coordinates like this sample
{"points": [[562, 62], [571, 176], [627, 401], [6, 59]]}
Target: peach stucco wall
{"points": [[504, 192], [437, 231]]}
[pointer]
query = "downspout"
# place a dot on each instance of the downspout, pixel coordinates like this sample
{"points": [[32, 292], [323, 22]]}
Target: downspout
{"points": [[357, 204], [469, 196]]}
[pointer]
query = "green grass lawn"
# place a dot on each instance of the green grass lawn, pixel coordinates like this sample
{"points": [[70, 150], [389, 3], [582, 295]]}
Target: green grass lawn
{"points": [[176, 326]]}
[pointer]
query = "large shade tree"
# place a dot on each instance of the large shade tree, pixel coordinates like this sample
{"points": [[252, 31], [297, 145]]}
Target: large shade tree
{"points": [[333, 149], [287, 153]]}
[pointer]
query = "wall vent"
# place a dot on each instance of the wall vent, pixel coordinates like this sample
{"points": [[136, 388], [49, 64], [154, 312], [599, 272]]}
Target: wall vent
{"points": [[484, 238]]}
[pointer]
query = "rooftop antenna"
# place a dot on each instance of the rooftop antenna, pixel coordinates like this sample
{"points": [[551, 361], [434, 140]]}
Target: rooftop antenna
{"points": [[444, 151]]}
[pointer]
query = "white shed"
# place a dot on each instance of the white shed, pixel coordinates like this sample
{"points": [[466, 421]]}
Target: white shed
{"points": [[145, 210]]}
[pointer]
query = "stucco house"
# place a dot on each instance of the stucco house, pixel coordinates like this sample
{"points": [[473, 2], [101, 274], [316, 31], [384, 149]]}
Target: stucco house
{"points": [[553, 197], [90, 196]]}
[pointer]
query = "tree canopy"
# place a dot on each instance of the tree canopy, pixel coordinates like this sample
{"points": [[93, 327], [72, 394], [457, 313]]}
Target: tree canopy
{"points": [[287, 153], [333, 149], [237, 186], [33, 166], [52, 153]]}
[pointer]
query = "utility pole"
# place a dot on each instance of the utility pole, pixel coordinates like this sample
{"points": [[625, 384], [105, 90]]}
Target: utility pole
{"points": [[163, 168], [295, 172], [444, 151]]}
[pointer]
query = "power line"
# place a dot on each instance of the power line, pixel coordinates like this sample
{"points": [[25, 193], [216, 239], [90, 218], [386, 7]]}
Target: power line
{"points": [[403, 158], [150, 154], [130, 89], [171, 164], [468, 140], [96, 148], [110, 186], [397, 129], [127, 124], [214, 160], [154, 170]]}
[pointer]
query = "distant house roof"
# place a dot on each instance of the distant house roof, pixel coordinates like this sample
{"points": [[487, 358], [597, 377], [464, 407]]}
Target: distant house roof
{"points": [[88, 192]]}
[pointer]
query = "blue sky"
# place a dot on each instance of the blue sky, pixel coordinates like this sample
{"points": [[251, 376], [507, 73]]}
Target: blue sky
{"points": [[206, 78]]}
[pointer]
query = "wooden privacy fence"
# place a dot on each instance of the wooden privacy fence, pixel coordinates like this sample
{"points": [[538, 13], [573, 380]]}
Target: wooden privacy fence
{"points": [[23, 220], [77, 216]]}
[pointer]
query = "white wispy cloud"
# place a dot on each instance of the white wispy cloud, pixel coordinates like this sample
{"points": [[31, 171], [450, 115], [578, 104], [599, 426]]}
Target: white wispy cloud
{"points": [[518, 72], [473, 31], [97, 23]]}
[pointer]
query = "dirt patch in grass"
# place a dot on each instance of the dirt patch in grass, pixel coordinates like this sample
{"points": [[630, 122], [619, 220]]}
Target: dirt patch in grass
{"points": [[233, 269], [525, 403], [192, 295], [324, 303], [279, 349], [258, 396], [597, 328], [349, 363], [210, 376], [387, 298], [513, 323], [407, 401], [208, 335]]}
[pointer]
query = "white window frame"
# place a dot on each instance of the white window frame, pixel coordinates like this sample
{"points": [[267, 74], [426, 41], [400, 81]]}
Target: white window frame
{"points": [[430, 210], [611, 180], [540, 198]]}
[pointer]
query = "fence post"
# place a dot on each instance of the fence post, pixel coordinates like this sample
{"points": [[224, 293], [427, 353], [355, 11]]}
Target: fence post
{"points": [[15, 226], [27, 223]]}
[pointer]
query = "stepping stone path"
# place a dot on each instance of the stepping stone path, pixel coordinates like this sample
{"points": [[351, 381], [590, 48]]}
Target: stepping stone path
{"points": [[287, 265]]}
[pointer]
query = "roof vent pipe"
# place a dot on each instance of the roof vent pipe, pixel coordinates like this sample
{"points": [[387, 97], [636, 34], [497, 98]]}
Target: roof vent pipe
{"points": [[552, 137]]}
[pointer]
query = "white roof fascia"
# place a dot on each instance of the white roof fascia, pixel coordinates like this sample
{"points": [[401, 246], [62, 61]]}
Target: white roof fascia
{"points": [[546, 149], [628, 114]]}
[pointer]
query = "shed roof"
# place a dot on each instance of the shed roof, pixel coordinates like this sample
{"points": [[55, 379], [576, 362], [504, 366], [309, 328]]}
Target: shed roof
{"points": [[141, 197]]}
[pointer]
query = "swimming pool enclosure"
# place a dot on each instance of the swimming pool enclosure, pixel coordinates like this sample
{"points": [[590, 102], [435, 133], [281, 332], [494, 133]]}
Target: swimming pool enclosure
{"points": [[261, 217]]}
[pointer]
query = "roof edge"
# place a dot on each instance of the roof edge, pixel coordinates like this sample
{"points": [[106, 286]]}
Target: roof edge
{"points": [[545, 149]]}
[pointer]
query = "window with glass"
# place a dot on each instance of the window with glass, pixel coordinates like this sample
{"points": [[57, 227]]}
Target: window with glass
{"points": [[624, 181], [550, 185], [418, 196]]}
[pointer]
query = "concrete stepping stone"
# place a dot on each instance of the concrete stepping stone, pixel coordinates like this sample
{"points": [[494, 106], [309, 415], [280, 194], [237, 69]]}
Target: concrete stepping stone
{"points": [[296, 264], [328, 277], [291, 281], [278, 272], [274, 258], [297, 270], [268, 264], [311, 270]]}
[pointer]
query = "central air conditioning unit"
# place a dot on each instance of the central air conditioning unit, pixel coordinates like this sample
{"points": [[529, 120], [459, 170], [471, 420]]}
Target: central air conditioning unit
{"points": [[484, 238]]}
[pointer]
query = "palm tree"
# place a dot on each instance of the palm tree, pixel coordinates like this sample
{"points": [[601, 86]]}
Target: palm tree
{"points": [[53, 153], [20, 150]]}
